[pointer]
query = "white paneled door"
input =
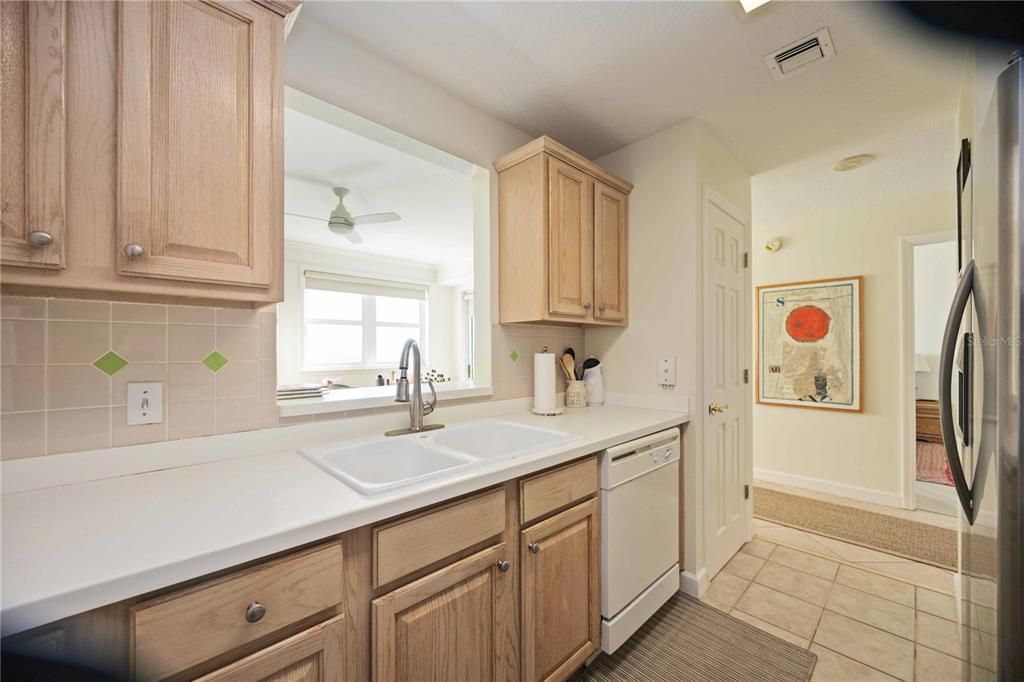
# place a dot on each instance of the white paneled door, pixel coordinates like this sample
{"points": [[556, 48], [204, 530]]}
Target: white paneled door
{"points": [[728, 468]]}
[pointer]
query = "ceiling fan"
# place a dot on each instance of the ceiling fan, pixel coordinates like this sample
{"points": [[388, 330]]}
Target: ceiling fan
{"points": [[342, 222]]}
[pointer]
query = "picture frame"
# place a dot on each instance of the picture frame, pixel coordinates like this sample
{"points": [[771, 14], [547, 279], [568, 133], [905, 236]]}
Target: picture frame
{"points": [[810, 344]]}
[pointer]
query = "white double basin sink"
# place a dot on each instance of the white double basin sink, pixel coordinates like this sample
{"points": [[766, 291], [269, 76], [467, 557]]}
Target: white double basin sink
{"points": [[375, 466]]}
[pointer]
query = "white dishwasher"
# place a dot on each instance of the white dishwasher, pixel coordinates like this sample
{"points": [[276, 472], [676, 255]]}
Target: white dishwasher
{"points": [[639, 533]]}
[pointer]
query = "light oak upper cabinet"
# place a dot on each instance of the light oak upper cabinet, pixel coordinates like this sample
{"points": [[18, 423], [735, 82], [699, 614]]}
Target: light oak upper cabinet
{"points": [[610, 253], [570, 238], [562, 233], [141, 146], [200, 141], [450, 625], [32, 133], [561, 606]]}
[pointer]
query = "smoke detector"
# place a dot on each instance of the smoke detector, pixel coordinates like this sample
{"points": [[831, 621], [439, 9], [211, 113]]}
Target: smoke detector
{"points": [[853, 162], [801, 54]]}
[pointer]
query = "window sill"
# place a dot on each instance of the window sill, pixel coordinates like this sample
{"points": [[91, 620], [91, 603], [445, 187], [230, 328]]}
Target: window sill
{"points": [[347, 399]]}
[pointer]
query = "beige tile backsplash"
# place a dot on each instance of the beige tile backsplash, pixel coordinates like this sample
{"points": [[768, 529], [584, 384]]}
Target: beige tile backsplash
{"points": [[53, 400]]}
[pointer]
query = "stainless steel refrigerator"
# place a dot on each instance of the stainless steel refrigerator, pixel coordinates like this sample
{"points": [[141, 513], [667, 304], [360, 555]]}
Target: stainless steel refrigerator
{"points": [[980, 377]]}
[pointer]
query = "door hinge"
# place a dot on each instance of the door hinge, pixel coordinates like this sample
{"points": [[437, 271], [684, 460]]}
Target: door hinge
{"points": [[746, 492], [746, 259], [746, 376]]}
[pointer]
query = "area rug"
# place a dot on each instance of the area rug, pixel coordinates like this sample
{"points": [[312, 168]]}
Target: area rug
{"points": [[932, 465], [891, 534], [687, 640]]}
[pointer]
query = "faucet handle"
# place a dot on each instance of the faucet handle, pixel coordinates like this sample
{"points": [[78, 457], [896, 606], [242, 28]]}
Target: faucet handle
{"points": [[428, 407]]}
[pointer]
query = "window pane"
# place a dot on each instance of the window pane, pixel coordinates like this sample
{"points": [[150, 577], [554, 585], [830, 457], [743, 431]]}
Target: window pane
{"points": [[398, 310], [332, 305], [333, 344], [390, 341]]}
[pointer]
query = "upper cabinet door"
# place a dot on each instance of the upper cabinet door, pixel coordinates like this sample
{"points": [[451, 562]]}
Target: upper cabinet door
{"points": [[610, 253], [199, 141], [32, 131], [570, 240]]}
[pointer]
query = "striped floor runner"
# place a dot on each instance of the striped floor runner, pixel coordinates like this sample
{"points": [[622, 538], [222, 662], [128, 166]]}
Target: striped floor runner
{"points": [[687, 640]]}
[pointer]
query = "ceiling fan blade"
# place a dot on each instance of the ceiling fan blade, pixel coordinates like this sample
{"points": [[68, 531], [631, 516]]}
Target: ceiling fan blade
{"points": [[353, 237], [307, 217], [371, 218]]}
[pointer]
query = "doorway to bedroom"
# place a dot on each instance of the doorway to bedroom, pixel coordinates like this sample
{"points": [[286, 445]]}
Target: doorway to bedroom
{"points": [[934, 281]]}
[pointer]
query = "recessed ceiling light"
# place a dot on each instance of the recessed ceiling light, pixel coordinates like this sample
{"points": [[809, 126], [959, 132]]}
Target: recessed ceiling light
{"points": [[750, 5], [853, 162]]}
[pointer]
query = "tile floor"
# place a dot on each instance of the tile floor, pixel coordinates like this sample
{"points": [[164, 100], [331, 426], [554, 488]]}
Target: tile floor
{"points": [[867, 615]]}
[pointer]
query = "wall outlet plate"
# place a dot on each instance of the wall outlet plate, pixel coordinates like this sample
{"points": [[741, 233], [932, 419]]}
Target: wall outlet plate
{"points": [[667, 371], [145, 402]]}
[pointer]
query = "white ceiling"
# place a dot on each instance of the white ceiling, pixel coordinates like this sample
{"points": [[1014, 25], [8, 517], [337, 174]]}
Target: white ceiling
{"points": [[599, 75], [914, 162], [435, 202]]}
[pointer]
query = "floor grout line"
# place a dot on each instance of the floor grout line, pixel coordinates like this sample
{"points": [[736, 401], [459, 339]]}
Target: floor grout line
{"points": [[913, 640], [861, 567]]}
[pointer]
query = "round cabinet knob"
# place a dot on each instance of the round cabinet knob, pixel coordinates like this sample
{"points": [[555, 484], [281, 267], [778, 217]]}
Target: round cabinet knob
{"points": [[39, 238], [534, 547], [601, 308], [504, 565], [255, 611], [586, 306], [133, 250]]}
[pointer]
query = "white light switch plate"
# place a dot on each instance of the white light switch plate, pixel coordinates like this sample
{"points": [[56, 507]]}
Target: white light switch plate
{"points": [[667, 371], [145, 403]]}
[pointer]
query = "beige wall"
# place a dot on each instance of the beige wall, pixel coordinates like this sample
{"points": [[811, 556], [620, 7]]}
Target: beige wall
{"points": [[669, 170], [858, 455]]}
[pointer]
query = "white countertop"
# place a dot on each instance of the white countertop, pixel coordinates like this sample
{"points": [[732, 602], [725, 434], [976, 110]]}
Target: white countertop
{"points": [[88, 529]]}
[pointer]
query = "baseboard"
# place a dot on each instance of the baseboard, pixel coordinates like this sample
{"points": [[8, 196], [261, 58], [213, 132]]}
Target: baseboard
{"points": [[693, 584], [830, 487]]}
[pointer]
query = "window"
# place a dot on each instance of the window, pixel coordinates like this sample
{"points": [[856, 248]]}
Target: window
{"points": [[352, 323]]}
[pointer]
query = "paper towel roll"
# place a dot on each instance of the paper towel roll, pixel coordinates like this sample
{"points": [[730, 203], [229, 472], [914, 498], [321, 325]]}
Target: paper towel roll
{"points": [[544, 400]]}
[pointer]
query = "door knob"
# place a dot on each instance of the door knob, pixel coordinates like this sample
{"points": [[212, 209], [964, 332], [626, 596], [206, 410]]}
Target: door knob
{"points": [[133, 250], [504, 565], [534, 547], [38, 238], [715, 408]]}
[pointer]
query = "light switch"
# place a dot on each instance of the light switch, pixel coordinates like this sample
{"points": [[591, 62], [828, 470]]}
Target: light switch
{"points": [[667, 371], [145, 402]]}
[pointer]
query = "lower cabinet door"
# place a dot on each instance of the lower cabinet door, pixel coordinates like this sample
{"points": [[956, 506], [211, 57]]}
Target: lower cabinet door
{"points": [[561, 598], [313, 655], [454, 624]]}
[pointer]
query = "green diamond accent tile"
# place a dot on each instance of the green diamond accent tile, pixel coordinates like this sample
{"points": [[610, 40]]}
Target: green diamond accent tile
{"points": [[215, 361], [110, 363], [514, 355]]}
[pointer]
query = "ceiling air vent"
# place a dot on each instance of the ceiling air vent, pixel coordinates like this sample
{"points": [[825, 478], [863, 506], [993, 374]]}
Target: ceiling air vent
{"points": [[801, 54]]}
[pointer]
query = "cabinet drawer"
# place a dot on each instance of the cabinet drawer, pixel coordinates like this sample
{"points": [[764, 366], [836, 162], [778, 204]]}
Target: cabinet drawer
{"points": [[551, 490], [182, 629], [405, 546]]}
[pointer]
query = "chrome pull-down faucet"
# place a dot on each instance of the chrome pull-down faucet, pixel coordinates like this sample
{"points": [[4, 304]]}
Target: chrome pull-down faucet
{"points": [[417, 408]]}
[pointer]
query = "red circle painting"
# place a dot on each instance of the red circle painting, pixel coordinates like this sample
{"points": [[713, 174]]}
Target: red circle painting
{"points": [[807, 324]]}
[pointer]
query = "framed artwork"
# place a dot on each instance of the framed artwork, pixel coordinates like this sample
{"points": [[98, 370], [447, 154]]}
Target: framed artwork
{"points": [[809, 344]]}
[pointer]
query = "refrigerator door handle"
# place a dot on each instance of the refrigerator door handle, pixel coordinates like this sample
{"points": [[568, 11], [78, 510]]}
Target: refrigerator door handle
{"points": [[947, 358]]}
